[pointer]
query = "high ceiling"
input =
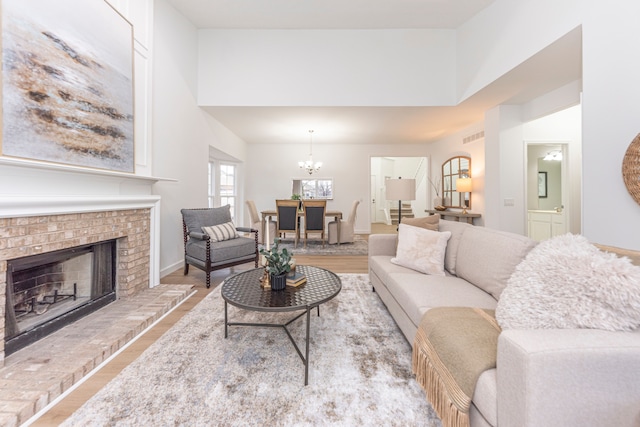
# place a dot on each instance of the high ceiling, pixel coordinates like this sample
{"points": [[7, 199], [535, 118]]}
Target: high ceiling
{"points": [[374, 125], [329, 14]]}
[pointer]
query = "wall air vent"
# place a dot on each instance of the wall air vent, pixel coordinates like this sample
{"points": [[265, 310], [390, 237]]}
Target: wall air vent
{"points": [[474, 137]]}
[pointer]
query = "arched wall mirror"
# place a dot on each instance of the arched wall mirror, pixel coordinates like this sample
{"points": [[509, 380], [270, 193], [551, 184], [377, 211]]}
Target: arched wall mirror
{"points": [[452, 169]]}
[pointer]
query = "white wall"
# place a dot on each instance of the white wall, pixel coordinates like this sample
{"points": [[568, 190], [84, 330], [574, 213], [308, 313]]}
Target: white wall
{"points": [[182, 131], [610, 120], [508, 32], [327, 67]]}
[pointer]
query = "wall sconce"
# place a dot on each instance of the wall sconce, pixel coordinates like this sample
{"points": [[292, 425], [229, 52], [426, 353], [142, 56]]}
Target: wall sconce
{"points": [[463, 185]]}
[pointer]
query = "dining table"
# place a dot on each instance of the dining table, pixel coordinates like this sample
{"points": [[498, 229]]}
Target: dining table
{"points": [[271, 213]]}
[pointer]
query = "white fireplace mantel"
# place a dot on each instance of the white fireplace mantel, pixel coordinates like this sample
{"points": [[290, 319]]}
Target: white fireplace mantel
{"points": [[31, 205], [30, 188]]}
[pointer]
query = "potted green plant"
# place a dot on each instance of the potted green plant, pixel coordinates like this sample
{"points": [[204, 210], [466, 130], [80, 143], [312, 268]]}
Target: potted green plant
{"points": [[277, 264], [297, 197]]}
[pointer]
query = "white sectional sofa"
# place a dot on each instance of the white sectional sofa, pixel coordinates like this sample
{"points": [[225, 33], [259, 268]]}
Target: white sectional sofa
{"points": [[544, 377]]}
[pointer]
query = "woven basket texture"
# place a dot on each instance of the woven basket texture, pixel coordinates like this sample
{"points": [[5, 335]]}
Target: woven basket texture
{"points": [[631, 169]]}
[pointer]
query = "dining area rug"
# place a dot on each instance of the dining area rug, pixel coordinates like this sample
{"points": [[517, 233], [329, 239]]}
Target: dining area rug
{"points": [[360, 246], [359, 373]]}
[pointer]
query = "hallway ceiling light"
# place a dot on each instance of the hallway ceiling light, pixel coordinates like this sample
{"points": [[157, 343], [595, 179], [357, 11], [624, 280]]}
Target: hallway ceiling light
{"points": [[553, 155], [309, 165]]}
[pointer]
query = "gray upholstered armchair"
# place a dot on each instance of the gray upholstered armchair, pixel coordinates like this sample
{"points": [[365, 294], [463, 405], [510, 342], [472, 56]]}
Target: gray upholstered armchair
{"points": [[212, 242]]}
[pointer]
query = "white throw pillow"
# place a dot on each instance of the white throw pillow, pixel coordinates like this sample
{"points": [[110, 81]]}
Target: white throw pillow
{"points": [[421, 249], [221, 232], [567, 283]]}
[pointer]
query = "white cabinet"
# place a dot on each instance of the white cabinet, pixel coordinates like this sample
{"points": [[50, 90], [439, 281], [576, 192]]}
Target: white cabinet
{"points": [[545, 224]]}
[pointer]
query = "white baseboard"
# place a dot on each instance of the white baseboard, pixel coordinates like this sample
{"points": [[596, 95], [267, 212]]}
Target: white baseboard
{"points": [[170, 269]]}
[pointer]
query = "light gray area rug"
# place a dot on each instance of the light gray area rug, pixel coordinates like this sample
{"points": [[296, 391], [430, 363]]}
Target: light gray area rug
{"points": [[314, 247], [359, 375]]}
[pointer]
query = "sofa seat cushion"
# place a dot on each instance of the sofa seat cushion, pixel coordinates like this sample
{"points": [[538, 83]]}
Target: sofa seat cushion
{"points": [[382, 266], [417, 293], [221, 252]]}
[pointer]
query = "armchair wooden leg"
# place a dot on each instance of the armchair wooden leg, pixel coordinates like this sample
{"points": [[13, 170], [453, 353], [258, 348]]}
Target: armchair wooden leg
{"points": [[208, 279], [186, 268]]}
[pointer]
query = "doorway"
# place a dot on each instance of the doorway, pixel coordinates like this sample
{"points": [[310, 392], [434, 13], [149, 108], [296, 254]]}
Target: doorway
{"points": [[383, 168], [548, 204], [553, 174]]}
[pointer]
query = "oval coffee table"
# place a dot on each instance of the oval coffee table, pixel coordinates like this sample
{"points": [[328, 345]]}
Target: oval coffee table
{"points": [[243, 290]]}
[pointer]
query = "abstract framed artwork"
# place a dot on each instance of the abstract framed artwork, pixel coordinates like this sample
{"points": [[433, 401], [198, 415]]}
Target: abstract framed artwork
{"points": [[67, 83]]}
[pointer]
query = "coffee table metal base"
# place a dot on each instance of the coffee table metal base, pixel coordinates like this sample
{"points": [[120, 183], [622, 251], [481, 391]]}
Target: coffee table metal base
{"points": [[305, 357]]}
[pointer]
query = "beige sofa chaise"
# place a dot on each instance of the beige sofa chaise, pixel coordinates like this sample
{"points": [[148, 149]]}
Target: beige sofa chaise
{"points": [[544, 377]]}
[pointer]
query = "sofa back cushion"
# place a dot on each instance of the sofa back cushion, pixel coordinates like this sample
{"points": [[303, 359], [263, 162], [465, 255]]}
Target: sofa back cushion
{"points": [[487, 257], [429, 222], [456, 229]]}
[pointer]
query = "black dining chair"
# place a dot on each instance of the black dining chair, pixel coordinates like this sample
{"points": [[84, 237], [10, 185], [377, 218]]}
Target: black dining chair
{"points": [[314, 218], [288, 219]]}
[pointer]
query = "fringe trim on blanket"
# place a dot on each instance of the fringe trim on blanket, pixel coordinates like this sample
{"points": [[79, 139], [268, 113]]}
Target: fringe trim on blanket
{"points": [[448, 400]]}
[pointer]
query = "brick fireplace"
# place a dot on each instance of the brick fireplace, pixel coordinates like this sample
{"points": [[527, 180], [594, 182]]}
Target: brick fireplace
{"points": [[22, 236]]}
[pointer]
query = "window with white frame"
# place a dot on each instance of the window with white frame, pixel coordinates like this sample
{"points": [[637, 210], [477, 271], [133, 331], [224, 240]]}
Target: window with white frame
{"points": [[211, 192], [316, 188], [227, 187]]}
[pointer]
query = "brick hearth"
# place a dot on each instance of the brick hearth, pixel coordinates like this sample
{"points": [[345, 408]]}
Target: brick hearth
{"points": [[36, 375]]}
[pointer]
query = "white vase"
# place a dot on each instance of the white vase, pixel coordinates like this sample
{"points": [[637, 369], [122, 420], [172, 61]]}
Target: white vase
{"points": [[437, 201]]}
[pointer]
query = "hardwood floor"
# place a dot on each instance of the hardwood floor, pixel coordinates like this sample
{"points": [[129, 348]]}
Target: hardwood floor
{"points": [[58, 413], [381, 228]]}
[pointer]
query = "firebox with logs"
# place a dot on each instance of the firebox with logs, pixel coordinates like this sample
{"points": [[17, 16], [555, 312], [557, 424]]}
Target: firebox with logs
{"points": [[47, 291]]}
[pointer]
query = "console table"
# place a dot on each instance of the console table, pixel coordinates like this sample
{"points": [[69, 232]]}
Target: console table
{"points": [[455, 216]]}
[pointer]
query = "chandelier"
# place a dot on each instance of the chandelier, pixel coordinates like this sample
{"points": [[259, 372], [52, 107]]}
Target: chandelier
{"points": [[309, 165]]}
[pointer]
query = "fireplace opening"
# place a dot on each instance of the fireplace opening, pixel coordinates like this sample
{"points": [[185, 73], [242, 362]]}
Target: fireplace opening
{"points": [[46, 292]]}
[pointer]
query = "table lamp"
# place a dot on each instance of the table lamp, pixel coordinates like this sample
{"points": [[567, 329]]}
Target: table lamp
{"points": [[463, 185], [400, 189]]}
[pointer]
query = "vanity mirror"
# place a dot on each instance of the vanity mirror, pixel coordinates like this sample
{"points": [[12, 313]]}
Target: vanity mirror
{"points": [[452, 169]]}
